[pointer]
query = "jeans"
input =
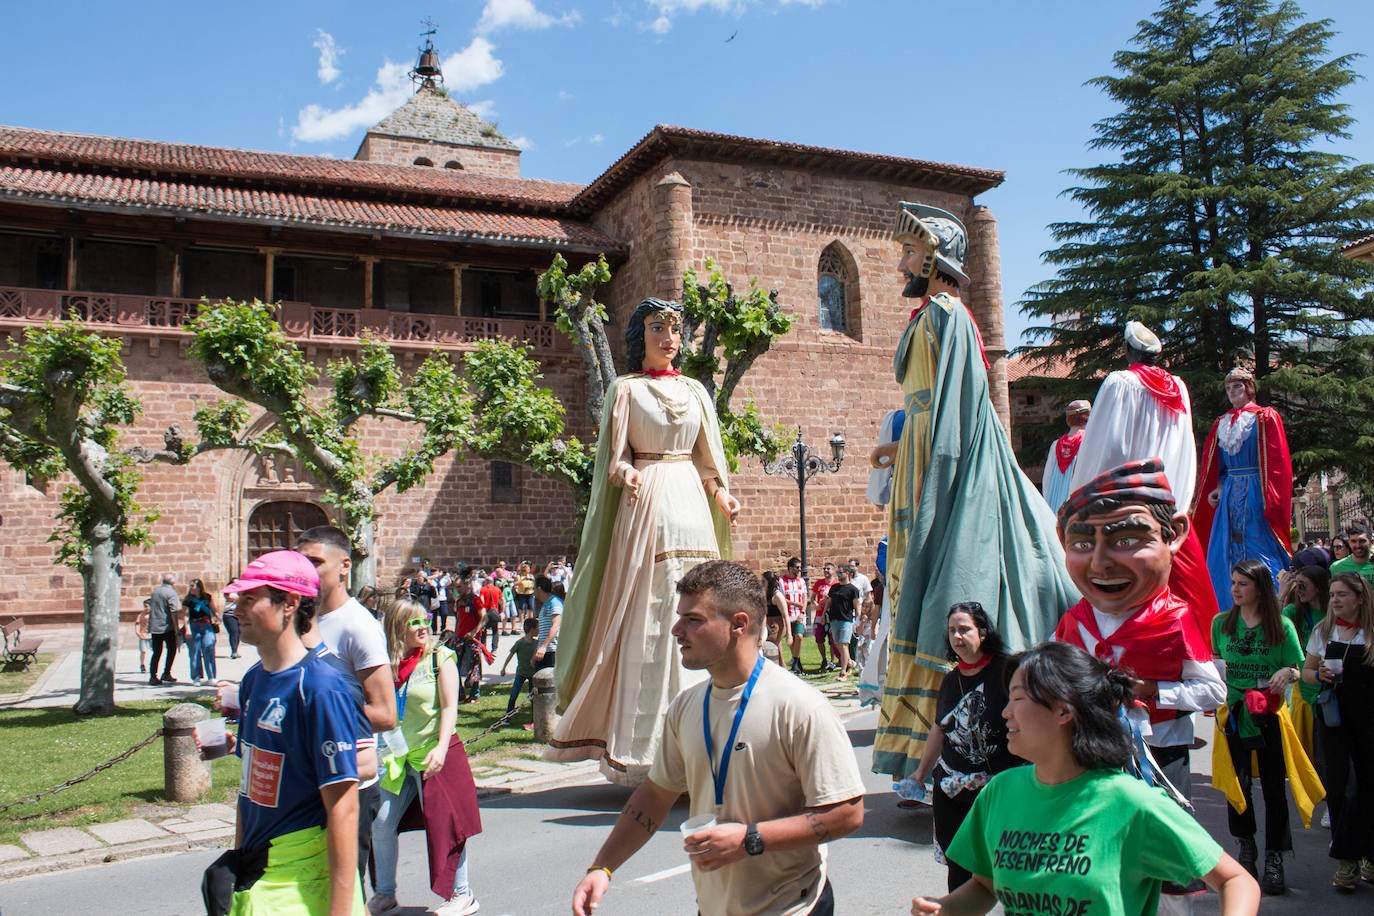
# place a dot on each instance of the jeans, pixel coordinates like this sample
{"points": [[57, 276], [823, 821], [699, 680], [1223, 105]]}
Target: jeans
{"points": [[385, 845], [516, 686], [161, 640], [231, 628], [201, 645], [441, 616]]}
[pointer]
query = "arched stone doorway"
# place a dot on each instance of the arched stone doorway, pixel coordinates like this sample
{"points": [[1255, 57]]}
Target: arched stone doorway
{"points": [[276, 525]]}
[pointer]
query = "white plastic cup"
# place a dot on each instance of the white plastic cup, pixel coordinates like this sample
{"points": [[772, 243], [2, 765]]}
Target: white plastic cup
{"points": [[213, 739], [229, 701], [396, 741], [1335, 665], [697, 824]]}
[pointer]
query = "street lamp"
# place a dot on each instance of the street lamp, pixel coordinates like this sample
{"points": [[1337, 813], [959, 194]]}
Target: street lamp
{"points": [[802, 465]]}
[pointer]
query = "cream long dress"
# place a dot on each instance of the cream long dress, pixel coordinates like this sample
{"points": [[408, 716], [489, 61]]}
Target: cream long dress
{"points": [[631, 666]]}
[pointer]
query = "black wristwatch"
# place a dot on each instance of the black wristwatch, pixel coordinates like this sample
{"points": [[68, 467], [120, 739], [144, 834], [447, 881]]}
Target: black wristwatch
{"points": [[753, 841]]}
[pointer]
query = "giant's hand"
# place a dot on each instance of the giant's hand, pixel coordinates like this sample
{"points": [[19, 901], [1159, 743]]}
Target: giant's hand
{"points": [[883, 456], [728, 504], [632, 482]]}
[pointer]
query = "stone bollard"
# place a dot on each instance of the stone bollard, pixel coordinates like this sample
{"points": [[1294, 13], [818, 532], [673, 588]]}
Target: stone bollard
{"points": [[544, 701], [187, 777]]}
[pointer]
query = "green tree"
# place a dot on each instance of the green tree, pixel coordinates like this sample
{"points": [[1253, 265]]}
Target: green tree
{"points": [[1220, 221], [246, 355], [63, 401], [722, 336]]}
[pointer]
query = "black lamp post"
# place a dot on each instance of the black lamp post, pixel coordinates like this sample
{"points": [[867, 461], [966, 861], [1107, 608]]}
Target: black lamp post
{"points": [[802, 465]]}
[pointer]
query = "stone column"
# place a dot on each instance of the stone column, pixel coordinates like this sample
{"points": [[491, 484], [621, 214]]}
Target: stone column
{"points": [[984, 300], [186, 777], [672, 235]]}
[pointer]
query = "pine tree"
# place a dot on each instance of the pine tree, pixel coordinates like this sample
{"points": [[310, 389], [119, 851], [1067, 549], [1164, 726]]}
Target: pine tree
{"points": [[1221, 222]]}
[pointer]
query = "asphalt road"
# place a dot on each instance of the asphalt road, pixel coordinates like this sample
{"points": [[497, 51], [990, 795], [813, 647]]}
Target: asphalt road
{"points": [[535, 847]]}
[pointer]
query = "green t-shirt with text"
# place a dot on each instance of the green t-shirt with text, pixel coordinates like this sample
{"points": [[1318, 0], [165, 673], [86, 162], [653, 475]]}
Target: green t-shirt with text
{"points": [[1305, 626], [1098, 845], [1248, 659]]}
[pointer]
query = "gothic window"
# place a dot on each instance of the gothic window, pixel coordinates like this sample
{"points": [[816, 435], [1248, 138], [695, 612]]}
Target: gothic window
{"points": [[837, 291]]}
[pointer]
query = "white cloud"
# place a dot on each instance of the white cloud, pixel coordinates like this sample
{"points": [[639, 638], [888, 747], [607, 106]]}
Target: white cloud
{"points": [[519, 14], [524, 143], [595, 138], [470, 68], [485, 109], [328, 70], [565, 96]]}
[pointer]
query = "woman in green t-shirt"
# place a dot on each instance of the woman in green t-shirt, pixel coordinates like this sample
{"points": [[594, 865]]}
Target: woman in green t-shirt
{"points": [[1263, 659], [1073, 833], [1308, 592]]}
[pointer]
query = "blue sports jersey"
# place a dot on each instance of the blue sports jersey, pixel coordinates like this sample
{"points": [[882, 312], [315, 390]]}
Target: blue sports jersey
{"points": [[296, 736]]}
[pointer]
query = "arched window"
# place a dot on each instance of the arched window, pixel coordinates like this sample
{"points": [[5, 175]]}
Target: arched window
{"points": [[423, 161], [277, 525], [837, 291], [453, 164]]}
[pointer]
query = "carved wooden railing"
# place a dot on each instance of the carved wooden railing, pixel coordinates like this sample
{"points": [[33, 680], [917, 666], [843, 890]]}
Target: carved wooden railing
{"points": [[301, 321]]}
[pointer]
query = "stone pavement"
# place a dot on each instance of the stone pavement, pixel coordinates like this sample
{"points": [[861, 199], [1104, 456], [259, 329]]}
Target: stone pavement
{"points": [[167, 828]]}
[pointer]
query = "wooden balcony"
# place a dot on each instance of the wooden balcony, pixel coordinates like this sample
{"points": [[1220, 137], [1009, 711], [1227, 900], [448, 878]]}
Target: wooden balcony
{"points": [[308, 324]]}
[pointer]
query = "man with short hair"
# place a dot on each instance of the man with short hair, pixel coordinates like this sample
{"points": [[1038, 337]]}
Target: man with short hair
{"points": [[1356, 538], [772, 763], [1063, 454], [842, 604], [862, 583], [164, 605], [550, 618], [794, 593], [357, 638]]}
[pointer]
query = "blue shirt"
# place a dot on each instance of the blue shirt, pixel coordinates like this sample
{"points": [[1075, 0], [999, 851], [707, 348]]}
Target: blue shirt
{"points": [[551, 609], [296, 736]]}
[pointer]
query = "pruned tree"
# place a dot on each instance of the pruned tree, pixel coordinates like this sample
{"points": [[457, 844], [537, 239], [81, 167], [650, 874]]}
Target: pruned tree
{"points": [[246, 355], [722, 337], [1220, 217], [63, 401]]}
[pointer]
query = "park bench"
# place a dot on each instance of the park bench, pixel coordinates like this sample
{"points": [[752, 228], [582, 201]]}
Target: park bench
{"points": [[19, 651]]}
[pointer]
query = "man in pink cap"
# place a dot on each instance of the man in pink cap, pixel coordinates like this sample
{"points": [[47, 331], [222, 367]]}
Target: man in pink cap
{"points": [[298, 799]]}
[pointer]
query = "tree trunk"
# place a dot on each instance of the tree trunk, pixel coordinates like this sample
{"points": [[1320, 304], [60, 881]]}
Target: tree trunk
{"points": [[364, 535], [102, 578]]}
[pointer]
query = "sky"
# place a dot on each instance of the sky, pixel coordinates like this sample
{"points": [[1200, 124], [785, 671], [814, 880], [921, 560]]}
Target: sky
{"points": [[996, 84]]}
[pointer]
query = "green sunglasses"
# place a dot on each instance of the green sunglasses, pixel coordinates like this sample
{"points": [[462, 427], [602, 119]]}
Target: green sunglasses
{"points": [[418, 623]]}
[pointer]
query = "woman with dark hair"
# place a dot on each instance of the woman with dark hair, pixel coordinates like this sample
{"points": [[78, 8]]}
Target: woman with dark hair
{"points": [[1260, 649], [1339, 548], [1340, 657], [659, 507], [775, 616], [202, 624], [1074, 828], [968, 740], [1307, 592]]}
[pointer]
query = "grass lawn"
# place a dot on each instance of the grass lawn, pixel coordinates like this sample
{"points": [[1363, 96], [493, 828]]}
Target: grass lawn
{"points": [[14, 679], [43, 747]]}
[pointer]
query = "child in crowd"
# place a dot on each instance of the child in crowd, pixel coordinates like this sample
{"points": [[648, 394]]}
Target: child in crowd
{"points": [[523, 653], [145, 639]]}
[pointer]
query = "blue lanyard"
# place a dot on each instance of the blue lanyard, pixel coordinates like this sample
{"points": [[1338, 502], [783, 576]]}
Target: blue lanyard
{"points": [[719, 775], [401, 701]]}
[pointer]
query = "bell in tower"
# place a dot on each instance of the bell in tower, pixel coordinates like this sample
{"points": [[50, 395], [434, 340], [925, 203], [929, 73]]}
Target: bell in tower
{"points": [[426, 74]]}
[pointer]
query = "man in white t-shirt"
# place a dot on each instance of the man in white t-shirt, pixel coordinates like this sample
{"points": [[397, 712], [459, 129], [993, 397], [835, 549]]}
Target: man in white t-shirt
{"points": [[778, 772], [862, 583], [354, 635]]}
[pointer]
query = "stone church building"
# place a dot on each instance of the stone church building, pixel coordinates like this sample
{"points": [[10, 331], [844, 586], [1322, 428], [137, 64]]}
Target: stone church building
{"points": [[431, 238]]}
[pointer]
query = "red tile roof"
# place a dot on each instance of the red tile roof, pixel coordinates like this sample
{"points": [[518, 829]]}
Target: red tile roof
{"points": [[665, 140], [23, 145], [226, 201], [1022, 366]]}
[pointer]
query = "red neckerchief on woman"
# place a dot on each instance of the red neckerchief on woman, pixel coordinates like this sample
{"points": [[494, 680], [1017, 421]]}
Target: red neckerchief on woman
{"points": [[660, 373], [1066, 448], [967, 668], [407, 665], [1162, 386], [1153, 643]]}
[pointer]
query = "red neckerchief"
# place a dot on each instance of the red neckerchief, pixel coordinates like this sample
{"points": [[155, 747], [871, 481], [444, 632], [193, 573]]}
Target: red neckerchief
{"points": [[660, 373], [1066, 448], [1162, 386], [1235, 412], [1154, 642], [407, 665], [967, 668], [977, 334]]}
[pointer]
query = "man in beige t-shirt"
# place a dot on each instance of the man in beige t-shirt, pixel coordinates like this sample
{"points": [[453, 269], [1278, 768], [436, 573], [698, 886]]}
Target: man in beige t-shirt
{"points": [[787, 778]]}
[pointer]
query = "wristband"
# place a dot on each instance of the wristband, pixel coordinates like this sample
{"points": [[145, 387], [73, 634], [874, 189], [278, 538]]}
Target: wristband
{"points": [[600, 868]]}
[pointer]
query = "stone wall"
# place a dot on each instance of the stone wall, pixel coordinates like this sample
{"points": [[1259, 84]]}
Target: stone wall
{"points": [[404, 151]]}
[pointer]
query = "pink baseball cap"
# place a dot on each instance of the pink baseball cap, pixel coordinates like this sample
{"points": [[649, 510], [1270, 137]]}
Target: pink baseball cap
{"points": [[286, 570]]}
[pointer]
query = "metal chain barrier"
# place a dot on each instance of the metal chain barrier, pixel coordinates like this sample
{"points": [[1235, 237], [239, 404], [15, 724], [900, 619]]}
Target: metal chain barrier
{"points": [[30, 799], [493, 727]]}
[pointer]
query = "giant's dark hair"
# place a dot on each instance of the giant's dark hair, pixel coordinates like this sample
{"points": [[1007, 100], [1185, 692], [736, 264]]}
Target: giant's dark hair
{"points": [[992, 640], [1057, 672], [1271, 618], [1163, 513], [634, 332]]}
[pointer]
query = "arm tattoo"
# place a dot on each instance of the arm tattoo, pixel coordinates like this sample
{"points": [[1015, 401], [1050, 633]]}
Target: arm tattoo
{"points": [[818, 827], [640, 818]]}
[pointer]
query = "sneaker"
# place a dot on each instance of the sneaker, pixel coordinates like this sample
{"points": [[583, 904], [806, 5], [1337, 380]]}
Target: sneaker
{"points": [[380, 904], [458, 905], [168, 679], [1326, 819], [154, 681], [1247, 855], [142, 669], [235, 655], [1272, 883], [1347, 875], [1367, 870]]}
